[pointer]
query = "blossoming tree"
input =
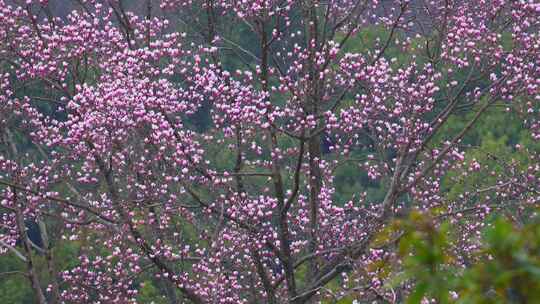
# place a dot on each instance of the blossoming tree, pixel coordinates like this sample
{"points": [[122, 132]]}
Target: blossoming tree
{"points": [[102, 143]]}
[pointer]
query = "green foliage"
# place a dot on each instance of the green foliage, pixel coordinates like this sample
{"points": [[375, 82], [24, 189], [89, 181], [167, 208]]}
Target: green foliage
{"points": [[492, 143], [150, 294], [507, 269], [511, 271], [14, 288], [424, 248]]}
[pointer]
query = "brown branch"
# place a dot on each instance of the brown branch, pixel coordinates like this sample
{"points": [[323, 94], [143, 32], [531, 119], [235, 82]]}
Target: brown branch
{"points": [[391, 35], [455, 140], [107, 220], [139, 239], [8, 273], [14, 250], [32, 275], [296, 186], [49, 257], [267, 285]]}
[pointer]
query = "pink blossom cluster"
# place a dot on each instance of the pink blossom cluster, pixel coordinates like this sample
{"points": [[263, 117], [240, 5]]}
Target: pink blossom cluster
{"points": [[97, 139]]}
